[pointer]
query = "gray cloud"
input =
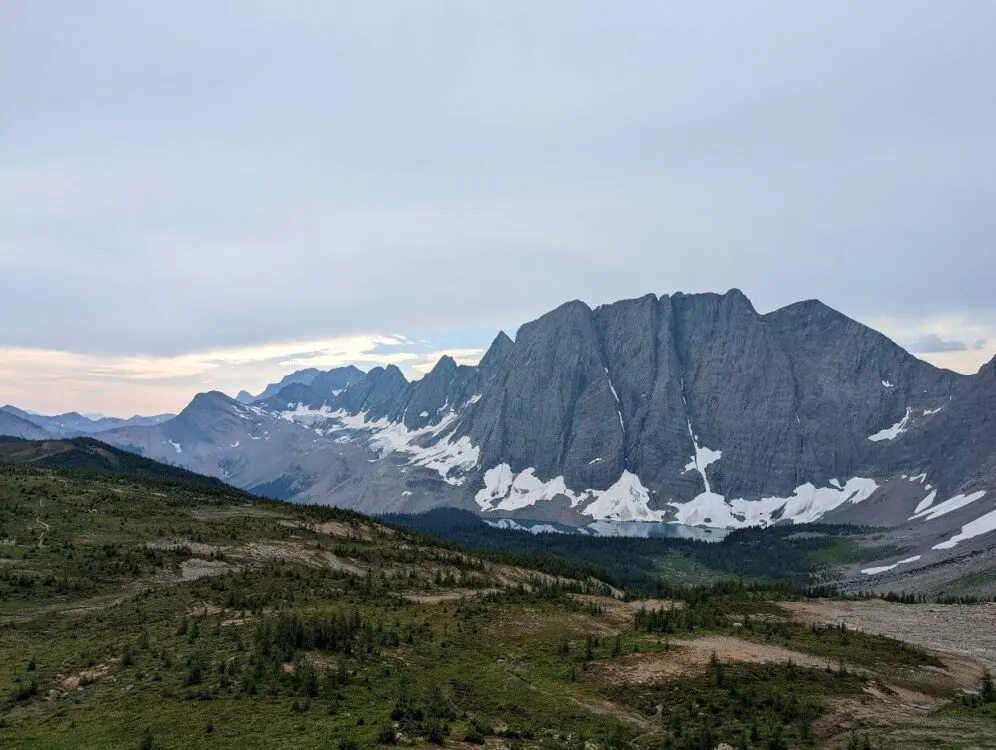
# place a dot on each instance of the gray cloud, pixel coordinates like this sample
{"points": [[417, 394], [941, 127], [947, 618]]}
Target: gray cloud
{"points": [[181, 176], [980, 344], [932, 343]]}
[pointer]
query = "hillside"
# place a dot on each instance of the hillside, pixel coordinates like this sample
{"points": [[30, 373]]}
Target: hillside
{"points": [[139, 613], [91, 455]]}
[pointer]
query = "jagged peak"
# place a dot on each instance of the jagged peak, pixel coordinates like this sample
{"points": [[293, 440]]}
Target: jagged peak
{"points": [[497, 353], [445, 363], [394, 372]]}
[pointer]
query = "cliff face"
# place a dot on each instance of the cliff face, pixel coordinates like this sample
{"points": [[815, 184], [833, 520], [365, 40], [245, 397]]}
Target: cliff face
{"points": [[685, 407]]}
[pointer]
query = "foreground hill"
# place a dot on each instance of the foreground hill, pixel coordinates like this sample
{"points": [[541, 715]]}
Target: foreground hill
{"points": [[147, 613], [91, 455]]}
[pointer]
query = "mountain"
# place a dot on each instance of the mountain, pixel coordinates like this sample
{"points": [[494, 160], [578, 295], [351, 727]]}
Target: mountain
{"points": [[329, 383], [74, 424], [688, 408], [12, 425]]}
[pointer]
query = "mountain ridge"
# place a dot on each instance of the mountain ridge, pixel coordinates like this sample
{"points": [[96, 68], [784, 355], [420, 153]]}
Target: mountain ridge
{"points": [[689, 408]]}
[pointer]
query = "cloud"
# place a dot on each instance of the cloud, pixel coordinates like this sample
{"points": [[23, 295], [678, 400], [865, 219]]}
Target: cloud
{"points": [[932, 343], [940, 339], [304, 170]]}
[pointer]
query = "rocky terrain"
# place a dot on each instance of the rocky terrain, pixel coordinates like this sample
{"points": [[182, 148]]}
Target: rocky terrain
{"points": [[691, 409]]}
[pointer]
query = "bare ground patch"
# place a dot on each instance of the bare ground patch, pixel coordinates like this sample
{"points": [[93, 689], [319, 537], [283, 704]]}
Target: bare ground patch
{"points": [[448, 596], [195, 568], [183, 545], [691, 657], [219, 514], [68, 683], [899, 720], [963, 634]]}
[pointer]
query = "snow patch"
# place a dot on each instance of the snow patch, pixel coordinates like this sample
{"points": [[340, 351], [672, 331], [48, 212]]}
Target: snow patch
{"points": [[702, 458], [887, 568], [616, 397], [234, 445], [626, 500], [891, 433], [449, 458], [629, 500], [978, 527], [806, 504], [925, 503], [509, 525], [958, 501], [928, 412], [887, 384], [305, 414], [176, 446], [506, 491]]}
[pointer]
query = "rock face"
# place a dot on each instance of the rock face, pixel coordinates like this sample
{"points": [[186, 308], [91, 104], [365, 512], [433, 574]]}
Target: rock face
{"points": [[689, 408], [787, 398]]}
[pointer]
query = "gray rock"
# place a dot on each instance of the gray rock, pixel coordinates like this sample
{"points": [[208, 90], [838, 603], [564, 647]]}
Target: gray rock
{"points": [[788, 398]]}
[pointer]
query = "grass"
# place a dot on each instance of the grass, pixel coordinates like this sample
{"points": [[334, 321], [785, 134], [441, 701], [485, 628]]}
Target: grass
{"points": [[320, 629]]}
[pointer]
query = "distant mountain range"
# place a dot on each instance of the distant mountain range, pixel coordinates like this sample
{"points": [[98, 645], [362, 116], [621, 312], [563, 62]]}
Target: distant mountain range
{"points": [[74, 424], [693, 409]]}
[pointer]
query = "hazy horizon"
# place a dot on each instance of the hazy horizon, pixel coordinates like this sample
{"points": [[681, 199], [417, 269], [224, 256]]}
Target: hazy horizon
{"points": [[266, 364], [209, 197]]}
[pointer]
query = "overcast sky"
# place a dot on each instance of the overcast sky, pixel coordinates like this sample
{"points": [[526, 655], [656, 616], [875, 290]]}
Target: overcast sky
{"points": [[209, 194]]}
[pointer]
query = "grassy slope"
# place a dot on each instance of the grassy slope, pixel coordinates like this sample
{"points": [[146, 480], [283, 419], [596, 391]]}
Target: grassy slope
{"points": [[90, 455], [104, 644]]}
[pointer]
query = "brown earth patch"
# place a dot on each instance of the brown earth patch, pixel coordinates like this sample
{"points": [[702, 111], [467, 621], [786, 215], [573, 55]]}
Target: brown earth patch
{"points": [[449, 596], [692, 656], [68, 683]]}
